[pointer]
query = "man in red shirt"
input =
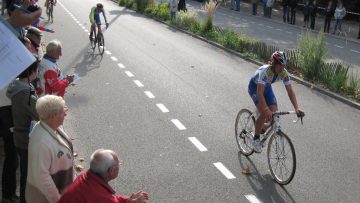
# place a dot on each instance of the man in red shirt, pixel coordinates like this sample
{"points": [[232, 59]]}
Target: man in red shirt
{"points": [[92, 186], [52, 81]]}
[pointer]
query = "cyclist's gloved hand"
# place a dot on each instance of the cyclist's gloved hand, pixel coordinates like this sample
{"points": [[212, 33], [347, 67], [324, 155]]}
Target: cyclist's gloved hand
{"points": [[300, 113]]}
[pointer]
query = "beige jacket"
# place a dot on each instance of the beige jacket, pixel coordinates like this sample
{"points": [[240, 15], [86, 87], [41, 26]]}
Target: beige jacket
{"points": [[50, 164]]}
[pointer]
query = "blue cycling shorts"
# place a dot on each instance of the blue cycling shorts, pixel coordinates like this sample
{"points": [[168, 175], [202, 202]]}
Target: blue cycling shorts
{"points": [[268, 94], [97, 19]]}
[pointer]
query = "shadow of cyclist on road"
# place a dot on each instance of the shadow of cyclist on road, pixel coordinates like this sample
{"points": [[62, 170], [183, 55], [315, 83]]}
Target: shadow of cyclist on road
{"points": [[267, 190]]}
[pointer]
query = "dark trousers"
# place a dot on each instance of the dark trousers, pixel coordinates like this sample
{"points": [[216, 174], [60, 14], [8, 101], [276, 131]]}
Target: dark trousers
{"points": [[254, 9], [269, 11], [286, 14], [23, 154], [265, 10], [237, 2], [312, 22], [327, 24], [293, 16], [11, 159], [359, 32]]}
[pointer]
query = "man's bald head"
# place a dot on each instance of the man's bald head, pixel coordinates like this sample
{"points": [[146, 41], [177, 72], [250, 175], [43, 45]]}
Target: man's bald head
{"points": [[103, 159]]}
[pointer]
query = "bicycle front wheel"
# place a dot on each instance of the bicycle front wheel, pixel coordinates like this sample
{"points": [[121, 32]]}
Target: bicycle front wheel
{"points": [[244, 127], [281, 158], [93, 43], [101, 44]]}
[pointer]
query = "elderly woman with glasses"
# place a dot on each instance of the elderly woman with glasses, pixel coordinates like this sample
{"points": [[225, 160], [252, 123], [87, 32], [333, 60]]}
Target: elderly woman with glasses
{"points": [[50, 166]]}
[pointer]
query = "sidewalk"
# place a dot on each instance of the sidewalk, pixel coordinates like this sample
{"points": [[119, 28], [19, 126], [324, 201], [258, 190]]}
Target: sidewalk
{"points": [[350, 28]]}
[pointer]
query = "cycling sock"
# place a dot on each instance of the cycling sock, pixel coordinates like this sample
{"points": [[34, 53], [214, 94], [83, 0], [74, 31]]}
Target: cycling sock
{"points": [[256, 137]]}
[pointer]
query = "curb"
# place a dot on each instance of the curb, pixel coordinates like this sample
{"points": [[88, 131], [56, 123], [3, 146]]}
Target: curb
{"points": [[295, 78]]}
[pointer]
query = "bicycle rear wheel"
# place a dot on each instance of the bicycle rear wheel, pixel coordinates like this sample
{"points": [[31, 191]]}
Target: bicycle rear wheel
{"points": [[101, 44], [244, 127], [281, 158]]}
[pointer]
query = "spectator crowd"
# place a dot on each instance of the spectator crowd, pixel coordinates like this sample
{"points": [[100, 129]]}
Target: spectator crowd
{"points": [[32, 112]]}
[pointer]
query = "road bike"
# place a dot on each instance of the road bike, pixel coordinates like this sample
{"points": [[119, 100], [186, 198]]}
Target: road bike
{"points": [[99, 41], [280, 151]]}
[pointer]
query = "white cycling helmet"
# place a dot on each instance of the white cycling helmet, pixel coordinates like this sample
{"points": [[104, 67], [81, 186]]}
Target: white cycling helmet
{"points": [[280, 57]]}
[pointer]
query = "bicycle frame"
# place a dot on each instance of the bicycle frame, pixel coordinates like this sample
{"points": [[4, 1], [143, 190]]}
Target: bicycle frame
{"points": [[275, 126]]}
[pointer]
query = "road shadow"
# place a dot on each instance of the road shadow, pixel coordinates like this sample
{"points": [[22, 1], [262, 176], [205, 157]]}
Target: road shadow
{"points": [[90, 60], [265, 187]]}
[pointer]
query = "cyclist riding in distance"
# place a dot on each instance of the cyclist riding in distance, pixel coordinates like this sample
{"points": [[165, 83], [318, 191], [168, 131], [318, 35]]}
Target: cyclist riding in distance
{"points": [[261, 92], [95, 18]]}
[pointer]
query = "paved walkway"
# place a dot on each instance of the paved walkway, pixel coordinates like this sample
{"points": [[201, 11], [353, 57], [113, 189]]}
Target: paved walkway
{"points": [[350, 28]]}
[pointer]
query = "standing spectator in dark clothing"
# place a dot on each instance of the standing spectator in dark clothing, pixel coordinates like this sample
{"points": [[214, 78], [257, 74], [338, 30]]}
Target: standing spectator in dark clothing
{"points": [[10, 166], [328, 15], [293, 5], [286, 17], [23, 100], [182, 6], [264, 7], [254, 7], [237, 7], [269, 5], [313, 11], [306, 12]]}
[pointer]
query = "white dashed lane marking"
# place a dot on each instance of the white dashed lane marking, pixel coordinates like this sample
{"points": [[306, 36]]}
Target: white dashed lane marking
{"points": [[162, 108], [114, 58], [149, 94], [355, 51], [138, 83], [198, 144], [252, 198], [108, 52], [178, 124], [121, 65], [224, 170], [129, 74]]}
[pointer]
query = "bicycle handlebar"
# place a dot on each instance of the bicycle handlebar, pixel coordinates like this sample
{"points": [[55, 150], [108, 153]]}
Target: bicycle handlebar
{"points": [[299, 115]]}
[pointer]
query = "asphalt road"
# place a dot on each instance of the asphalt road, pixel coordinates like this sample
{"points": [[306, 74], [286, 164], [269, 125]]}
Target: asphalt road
{"points": [[202, 87], [280, 34]]}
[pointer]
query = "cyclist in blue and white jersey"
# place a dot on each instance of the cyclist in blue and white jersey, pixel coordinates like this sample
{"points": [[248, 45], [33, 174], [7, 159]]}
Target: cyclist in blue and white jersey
{"points": [[261, 92]]}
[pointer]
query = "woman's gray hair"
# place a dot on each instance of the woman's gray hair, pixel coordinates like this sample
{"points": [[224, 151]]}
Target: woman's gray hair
{"points": [[49, 105], [54, 45], [101, 160]]}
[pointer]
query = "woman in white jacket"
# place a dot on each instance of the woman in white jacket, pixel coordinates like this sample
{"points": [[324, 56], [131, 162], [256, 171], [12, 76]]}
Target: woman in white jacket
{"points": [[339, 14], [50, 166]]}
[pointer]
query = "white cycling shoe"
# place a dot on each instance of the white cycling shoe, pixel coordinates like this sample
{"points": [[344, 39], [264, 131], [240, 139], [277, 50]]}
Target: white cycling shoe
{"points": [[257, 145]]}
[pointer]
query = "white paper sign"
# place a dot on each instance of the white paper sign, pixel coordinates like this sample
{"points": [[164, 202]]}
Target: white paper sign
{"points": [[14, 57]]}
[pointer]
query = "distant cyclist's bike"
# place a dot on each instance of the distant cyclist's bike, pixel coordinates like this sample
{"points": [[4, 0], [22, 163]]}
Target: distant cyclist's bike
{"points": [[280, 152], [99, 41]]}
